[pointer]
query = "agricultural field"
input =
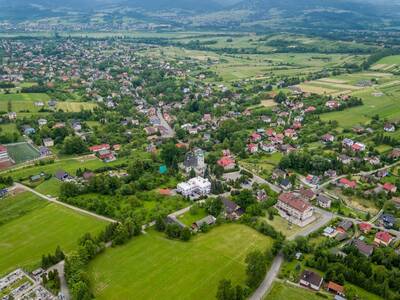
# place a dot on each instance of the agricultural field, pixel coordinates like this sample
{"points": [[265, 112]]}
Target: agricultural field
{"points": [[21, 152], [22, 102], [36, 228], [388, 64], [174, 269], [75, 106]]}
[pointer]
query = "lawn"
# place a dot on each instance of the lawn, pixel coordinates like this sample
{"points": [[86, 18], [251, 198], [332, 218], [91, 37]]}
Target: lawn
{"points": [[190, 217], [154, 267], [50, 187], [282, 291], [22, 101], [39, 230], [75, 106], [22, 152], [262, 164]]}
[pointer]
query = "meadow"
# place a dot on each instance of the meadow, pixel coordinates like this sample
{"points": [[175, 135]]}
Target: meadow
{"points": [[283, 291], [38, 230], [154, 267]]}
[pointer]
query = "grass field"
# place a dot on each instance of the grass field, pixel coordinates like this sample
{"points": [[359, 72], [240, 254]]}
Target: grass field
{"points": [[75, 106], [22, 152], [43, 226], [386, 106], [154, 267], [22, 102], [282, 291]]}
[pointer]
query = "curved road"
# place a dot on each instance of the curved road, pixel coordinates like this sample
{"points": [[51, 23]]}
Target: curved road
{"points": [[54, 200]]}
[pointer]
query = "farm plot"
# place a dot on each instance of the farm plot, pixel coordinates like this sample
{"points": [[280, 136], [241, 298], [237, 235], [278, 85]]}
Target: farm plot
{"points": [[154, 267], [38, 230], [21, 152]]}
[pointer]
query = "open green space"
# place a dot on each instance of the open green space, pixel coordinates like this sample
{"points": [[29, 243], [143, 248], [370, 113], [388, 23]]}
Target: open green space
{"points": [[21, 152], [154, 267], [262, 164], [39, 230], [192, 216], [283, 291]]}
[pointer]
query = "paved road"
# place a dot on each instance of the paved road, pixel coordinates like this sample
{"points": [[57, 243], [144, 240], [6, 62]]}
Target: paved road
{"points": [[261, 180], [170, 131], [273, 272], [63, 283], [54, 200]]}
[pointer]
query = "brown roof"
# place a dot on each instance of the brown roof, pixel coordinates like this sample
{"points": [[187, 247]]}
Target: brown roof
{"points": [[294, 201], [307, 193], [332, 286], [363, 247]]}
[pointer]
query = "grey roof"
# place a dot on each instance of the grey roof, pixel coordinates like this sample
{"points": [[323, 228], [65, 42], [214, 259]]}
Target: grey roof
{"points": [[209, 220]]}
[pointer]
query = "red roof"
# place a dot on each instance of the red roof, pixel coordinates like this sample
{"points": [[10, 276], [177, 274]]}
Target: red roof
{"points": [[3, 148], [97, 148], [332, 286], [294, 202], [384, 236], [117, 147], [389, 187], [365, 226], [349, 183], [255, 136], [165, 192], [226, 161]]}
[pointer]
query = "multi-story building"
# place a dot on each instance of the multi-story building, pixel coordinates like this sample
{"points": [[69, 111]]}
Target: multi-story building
{"points": [[294, 209], [196, 186]]}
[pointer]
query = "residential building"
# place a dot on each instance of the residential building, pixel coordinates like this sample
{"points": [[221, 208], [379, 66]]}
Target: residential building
{"points": [[363, 247], [311, 279], [194, 160], [208, 220], [197, 186], [48, 142], [323, 201], [291, 207], [335, 288], [231, 209], [383, 238]]}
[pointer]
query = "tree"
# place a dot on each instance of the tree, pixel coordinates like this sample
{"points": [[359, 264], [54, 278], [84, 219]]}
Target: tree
{"points": [[225, 290], [214, 206], [256, 268], [185, 234], [245, 198], [74, 145]]}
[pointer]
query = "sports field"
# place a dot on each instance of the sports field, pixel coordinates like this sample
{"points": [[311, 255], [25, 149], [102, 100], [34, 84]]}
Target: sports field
{"points": [[36, 228], [21, 152], [154, 267]]}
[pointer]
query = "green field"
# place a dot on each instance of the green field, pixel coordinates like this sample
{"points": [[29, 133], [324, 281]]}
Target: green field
{"points": [[154, 267], [22, 102], [386, 106], [26, 236], [281, 291], [22, 152]]}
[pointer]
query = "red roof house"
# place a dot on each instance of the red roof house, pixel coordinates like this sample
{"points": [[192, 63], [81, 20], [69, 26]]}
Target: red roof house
{"points": [[390, 187], [383, 238], [227, 162], [97, 148], [365, 227], [347, 183]]}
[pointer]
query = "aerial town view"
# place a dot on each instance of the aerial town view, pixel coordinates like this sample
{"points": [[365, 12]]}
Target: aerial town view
{"points": [[185, 149]]}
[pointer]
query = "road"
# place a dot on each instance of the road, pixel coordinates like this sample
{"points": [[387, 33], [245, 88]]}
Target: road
{"points": [[54, 200], [63, 282], [170, 131], [260, 180], [273, 272]]}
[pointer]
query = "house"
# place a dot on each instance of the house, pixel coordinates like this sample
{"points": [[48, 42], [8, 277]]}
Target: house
{"points": [[388, 220], [344, 159], [232, 210], [255, 137], [311, 279], [383, 238], [363, 247], [346, 183], [294, 209], [28, 130], [197, 186], [208, 220], [44, 151], [335, 288], [329, 232], [358, 147], [62, 175], [389, 187], [269, 148], [285, 184], [312, 179], [328, 138], [12, 115], [347, 142], [106, 155], [252, 148], [365, 227], [307, 194], [395, 154], [323, 201], [332, 104], [278, 173], [227, 162], [42, 122], [194, 160], [344, 226], [88, 175], [48, 142], [97, 148], [389, 127]]}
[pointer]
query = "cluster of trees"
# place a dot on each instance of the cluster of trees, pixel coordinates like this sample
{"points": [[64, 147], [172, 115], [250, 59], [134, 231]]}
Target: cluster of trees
{"points": [[359, 270], [305, 162], [6, 181], [380, 139], [173, 230], [52, 259], [52, 281]]}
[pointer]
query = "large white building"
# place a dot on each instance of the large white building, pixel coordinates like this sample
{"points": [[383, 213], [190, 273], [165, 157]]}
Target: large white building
{"points": [[294, 209], [197, 185]]}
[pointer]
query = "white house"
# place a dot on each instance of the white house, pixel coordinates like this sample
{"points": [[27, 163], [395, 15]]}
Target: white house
{"points": [[197, 185]]}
